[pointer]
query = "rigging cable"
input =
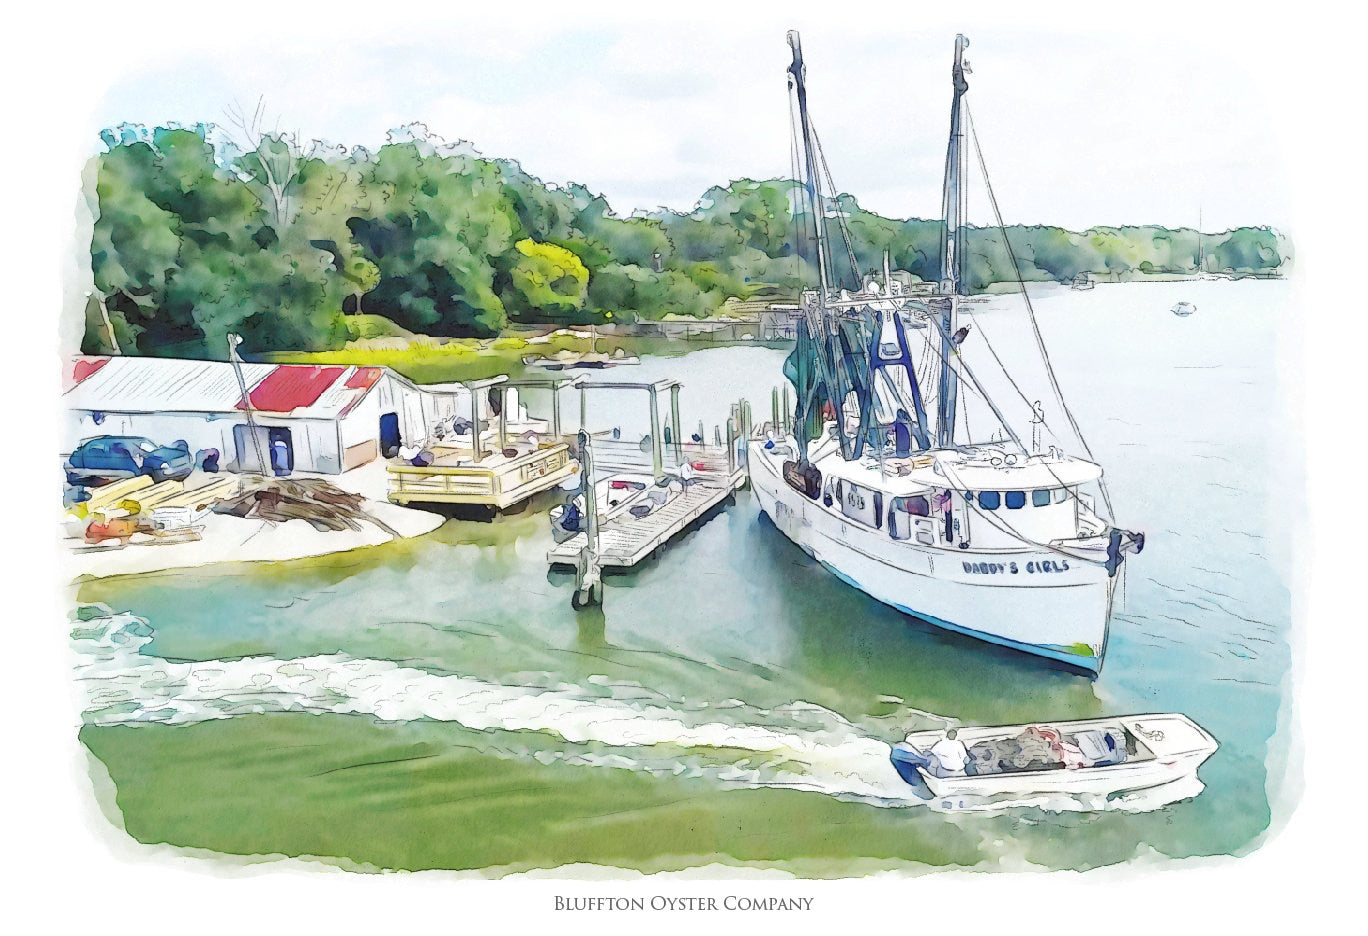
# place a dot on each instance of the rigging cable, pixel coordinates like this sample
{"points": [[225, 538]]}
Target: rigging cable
{"points": [[974, 382], [1035, 327], [1008, 528], [840, 214]]}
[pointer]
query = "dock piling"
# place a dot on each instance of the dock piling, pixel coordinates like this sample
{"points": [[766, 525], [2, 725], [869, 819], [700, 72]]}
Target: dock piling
{"points": [[674, 424], [588, 573], [657, 455]]}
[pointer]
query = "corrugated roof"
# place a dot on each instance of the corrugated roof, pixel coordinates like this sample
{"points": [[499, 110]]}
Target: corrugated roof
{"points": [[82, 368], [365, 377], [167, 385], [163, 385], [290, 388]]}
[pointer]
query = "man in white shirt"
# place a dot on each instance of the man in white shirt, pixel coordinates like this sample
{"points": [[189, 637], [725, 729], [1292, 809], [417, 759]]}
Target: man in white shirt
{"points": [[950, 755]]}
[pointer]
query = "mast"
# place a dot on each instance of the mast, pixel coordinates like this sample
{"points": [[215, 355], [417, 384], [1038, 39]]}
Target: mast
{"points": [[797, 83], [1201, 258], [952, 284]]}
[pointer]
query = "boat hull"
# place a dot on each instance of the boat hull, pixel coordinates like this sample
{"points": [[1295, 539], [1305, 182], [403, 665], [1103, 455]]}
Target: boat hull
{"points": [[1175, 751], [1060, 615]]}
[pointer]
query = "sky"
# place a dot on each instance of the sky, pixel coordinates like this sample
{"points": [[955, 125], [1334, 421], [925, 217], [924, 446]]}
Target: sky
{"points": [[1079, 125]]}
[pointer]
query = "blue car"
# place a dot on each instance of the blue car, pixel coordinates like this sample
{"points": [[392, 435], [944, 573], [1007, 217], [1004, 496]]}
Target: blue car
{"points": [[110, 458]]}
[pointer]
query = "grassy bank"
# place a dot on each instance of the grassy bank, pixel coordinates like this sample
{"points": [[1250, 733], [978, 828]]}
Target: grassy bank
{"points": [[427, 360]]}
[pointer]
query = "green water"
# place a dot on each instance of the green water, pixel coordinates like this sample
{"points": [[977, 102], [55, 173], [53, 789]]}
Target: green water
{"points": [[736, 627]]}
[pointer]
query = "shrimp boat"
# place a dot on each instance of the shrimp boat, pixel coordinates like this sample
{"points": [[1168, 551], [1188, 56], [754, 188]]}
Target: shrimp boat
{"points": [[877, 478], [1099, 756]]}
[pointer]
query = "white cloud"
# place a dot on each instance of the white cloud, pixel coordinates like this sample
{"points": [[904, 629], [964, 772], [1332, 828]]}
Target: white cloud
{"points": [[1079, 128]]}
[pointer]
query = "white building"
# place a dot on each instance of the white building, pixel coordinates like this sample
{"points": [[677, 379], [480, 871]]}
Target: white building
{"points": [[319, 418]]}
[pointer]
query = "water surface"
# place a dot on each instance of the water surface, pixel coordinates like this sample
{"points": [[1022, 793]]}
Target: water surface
{"points": [[730, 702]]}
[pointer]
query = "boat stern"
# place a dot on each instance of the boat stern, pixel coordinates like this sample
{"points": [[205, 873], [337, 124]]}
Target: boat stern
{"points": [[910, 762]]}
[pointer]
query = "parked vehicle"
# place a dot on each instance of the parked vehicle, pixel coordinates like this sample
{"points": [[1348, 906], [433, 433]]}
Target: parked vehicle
{"points": [[109, 458]]}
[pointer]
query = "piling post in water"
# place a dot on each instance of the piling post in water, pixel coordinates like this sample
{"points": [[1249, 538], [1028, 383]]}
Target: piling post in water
{"points": [[555, 412], [476, 452], [587, 570], [774, 410], [731, 445], [503, 419], [674, 424], [786, 412], [584, 408], [657, 466]]}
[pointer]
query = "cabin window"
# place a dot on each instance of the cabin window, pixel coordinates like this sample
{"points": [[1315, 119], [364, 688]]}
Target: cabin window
{"points": [[862, 505], [989, 500], [902, 514], [1061, 495], [1015, 500], [1040, 498]]}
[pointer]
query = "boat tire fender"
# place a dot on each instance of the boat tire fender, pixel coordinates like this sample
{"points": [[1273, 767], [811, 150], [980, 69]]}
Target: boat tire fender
{"points": [[807, 480]]}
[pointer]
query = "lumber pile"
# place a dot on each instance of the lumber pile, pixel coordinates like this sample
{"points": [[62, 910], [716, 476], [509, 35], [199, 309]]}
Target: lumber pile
{"points": [[115, 492], [322, 505], [167, 511], [143, 501], [206, 495]]}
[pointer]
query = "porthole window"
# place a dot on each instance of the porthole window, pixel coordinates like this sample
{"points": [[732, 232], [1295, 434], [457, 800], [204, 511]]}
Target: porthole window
{"points": [[1015, 500], [1061, 495], [989, 500], [1040, 498]]}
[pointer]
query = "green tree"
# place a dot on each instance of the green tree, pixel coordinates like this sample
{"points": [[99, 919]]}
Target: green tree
{"points": [[363, 276], [549, 283], [433, 229]]}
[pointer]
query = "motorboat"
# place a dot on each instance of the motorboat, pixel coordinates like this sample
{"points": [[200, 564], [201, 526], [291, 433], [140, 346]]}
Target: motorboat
{"points": [[1098, 756], [1184, 309]]}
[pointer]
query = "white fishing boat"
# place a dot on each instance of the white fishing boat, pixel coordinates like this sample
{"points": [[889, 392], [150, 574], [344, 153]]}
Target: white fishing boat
{"points": [[877, 477], [1184, 309], [1082, 281], [1099, 756]]}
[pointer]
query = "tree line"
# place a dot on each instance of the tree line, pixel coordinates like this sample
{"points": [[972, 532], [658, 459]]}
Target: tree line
{"points": [[195, 240]]}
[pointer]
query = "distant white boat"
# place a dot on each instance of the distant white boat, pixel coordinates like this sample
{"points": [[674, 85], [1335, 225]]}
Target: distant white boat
{"points": [[1098, 756], [1082, 281], [569, 360], [1184, 309]]}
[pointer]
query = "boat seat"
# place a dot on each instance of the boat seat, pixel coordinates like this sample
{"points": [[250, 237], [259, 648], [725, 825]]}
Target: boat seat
{"points": [[1101, 747]]}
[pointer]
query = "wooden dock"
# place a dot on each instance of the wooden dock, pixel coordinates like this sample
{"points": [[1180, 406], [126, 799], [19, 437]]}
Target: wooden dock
{"points": [[625, 540], [492, 466]]}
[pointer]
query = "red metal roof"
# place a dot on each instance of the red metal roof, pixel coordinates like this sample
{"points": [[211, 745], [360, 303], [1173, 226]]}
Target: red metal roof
{"points": [[364, 378], [292, 386], [84, 367]]}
